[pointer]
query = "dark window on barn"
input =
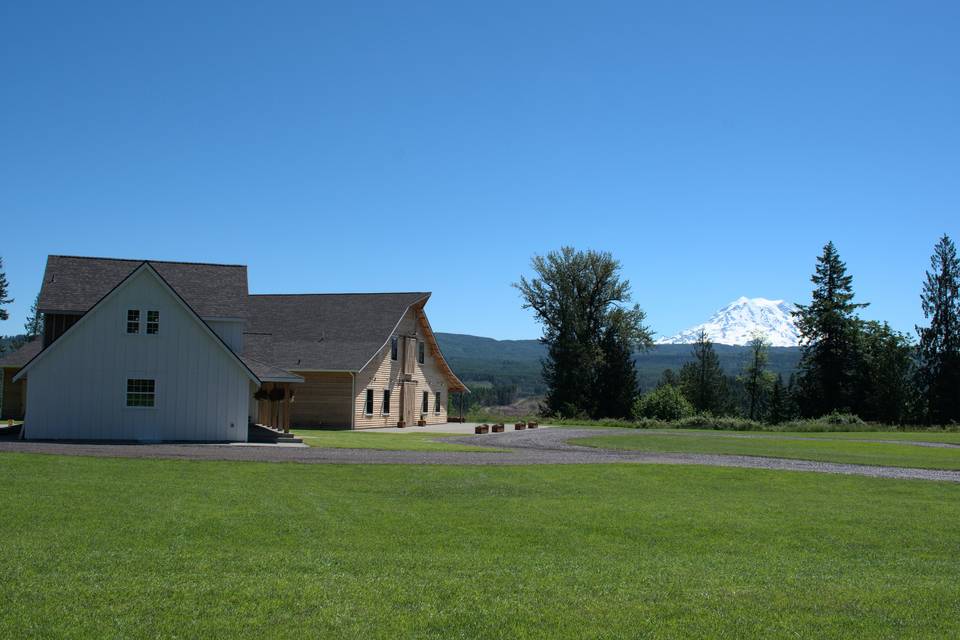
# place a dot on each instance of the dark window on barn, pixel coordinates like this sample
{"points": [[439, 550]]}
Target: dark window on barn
{"points": [[386, 402], [368, 409], [153, 322], [393, 347], [420, 352], [436, 403], [133, 321], [425, 405], [141, 392]]}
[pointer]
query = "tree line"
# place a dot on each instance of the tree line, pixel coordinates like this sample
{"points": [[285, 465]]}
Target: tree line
{"points": [[848, 365], [34, 323]]}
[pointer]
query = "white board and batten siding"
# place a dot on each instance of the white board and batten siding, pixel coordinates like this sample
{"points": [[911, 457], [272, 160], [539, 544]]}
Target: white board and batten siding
{"points": [[384, 373], [78, 391]]}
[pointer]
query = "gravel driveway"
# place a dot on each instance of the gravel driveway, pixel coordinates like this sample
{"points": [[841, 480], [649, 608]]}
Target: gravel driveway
{"points": [[538, 446]]}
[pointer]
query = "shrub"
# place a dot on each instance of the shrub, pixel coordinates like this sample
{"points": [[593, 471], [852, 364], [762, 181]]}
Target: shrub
{"points": [[720, 423], [663, 403]]}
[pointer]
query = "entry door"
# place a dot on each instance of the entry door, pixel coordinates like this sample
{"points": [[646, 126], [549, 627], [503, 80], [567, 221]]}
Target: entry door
{"points": [[410, 403]]}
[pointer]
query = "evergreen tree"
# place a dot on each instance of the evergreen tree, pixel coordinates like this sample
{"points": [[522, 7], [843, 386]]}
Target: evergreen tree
{"points": [[939, 349], [756, 379], [4, 300], [702, 381], [616, 383], [579, 298], [34, 324], [778, 411], [828, 329]]}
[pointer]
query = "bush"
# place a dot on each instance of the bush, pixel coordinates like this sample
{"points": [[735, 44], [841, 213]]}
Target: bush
{"points": [[663, 403], [720, 423]]}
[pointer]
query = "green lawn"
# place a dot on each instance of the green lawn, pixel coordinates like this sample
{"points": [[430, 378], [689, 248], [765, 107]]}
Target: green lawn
{"points": [[822, 448], [385, 441], [124, 548]]}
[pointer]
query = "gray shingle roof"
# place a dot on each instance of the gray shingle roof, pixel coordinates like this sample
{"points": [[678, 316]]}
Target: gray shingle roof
{"points": [[23, 355], [322, 332], [269, 373], [74, 284]]}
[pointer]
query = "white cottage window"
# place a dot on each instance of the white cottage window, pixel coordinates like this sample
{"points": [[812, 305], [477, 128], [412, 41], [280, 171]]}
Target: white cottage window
{"points": [[133, 321], [153, 322], [141, 392]]}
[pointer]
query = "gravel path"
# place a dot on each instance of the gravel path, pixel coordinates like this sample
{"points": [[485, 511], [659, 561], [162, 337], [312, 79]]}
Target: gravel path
{"points": [[538, 446]]}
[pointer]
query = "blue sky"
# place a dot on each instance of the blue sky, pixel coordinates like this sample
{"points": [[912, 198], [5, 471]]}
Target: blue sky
{"points": [[437, 146]]}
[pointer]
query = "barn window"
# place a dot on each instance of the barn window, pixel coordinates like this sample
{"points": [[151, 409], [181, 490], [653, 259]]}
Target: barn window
{"points": [[420, 352], [386, 402], [141, 392], [133, 321], [436, 402], [153, 322], [393, 347], [368, 409], [425, 405]]}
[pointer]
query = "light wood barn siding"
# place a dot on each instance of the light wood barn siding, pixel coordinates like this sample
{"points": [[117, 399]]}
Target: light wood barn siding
{"points": [[78, 391], [322, 400], [384, 373]]}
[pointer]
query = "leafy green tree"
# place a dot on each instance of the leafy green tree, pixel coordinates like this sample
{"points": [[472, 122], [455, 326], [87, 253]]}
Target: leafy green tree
{"points": [[4, 300], [703, 381], [668, 379], [756, 380], [663, 403], [886, 374], [829, 330], [581, 302], [939, 348], [34, 324]]}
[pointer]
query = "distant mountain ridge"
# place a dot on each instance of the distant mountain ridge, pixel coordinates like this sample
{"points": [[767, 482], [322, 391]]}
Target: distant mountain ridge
{"points": [[485, 361], [742, 320]]}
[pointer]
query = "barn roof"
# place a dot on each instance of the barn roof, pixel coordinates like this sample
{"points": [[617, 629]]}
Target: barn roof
{"points": [[323, 332], [73, 284], [19, 357]]}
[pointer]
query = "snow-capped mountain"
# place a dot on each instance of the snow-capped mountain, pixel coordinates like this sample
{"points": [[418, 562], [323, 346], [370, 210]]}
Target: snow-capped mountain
{"points": [[742, 319]]}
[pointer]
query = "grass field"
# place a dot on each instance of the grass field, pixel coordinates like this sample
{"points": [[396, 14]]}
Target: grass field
{"points": [[384, 441], [100, 547], [824, 447]]}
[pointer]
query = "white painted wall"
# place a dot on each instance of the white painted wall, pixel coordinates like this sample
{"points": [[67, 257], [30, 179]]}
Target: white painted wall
{"points": [[78, 390], [230, 330]]}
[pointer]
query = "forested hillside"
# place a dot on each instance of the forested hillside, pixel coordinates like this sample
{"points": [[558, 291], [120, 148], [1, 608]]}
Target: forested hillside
{"points": [[516, 363]]}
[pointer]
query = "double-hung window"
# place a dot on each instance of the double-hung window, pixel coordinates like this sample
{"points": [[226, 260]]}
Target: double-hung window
{"points": [[394, 347], [368, 406], [386, 402], [436, 403], [133, 321], [420, 352], [153, 323], [425, 405], [141, 392]]}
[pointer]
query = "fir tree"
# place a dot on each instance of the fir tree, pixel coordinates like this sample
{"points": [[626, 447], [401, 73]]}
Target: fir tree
{"points": [[778, 411], [702, 380], [4, 300], [616, 383], [828, 329], [756, 379], [34, 324], [939, 349]]}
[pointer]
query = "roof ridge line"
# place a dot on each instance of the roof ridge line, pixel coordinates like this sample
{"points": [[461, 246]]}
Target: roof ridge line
{"points": [[139, 260]]}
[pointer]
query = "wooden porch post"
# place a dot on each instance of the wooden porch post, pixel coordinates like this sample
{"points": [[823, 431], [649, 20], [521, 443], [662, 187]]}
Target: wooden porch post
{"points": [[286, 407]]}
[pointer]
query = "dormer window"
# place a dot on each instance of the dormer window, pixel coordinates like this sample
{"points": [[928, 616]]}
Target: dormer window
{"points": [[153, 322], [133, 321]]}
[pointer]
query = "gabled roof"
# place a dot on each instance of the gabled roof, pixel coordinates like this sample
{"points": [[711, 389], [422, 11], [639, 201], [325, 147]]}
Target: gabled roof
{"points": [[269, 373], [19, 357], [74, 284], [148, 268], [323, 332]]}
